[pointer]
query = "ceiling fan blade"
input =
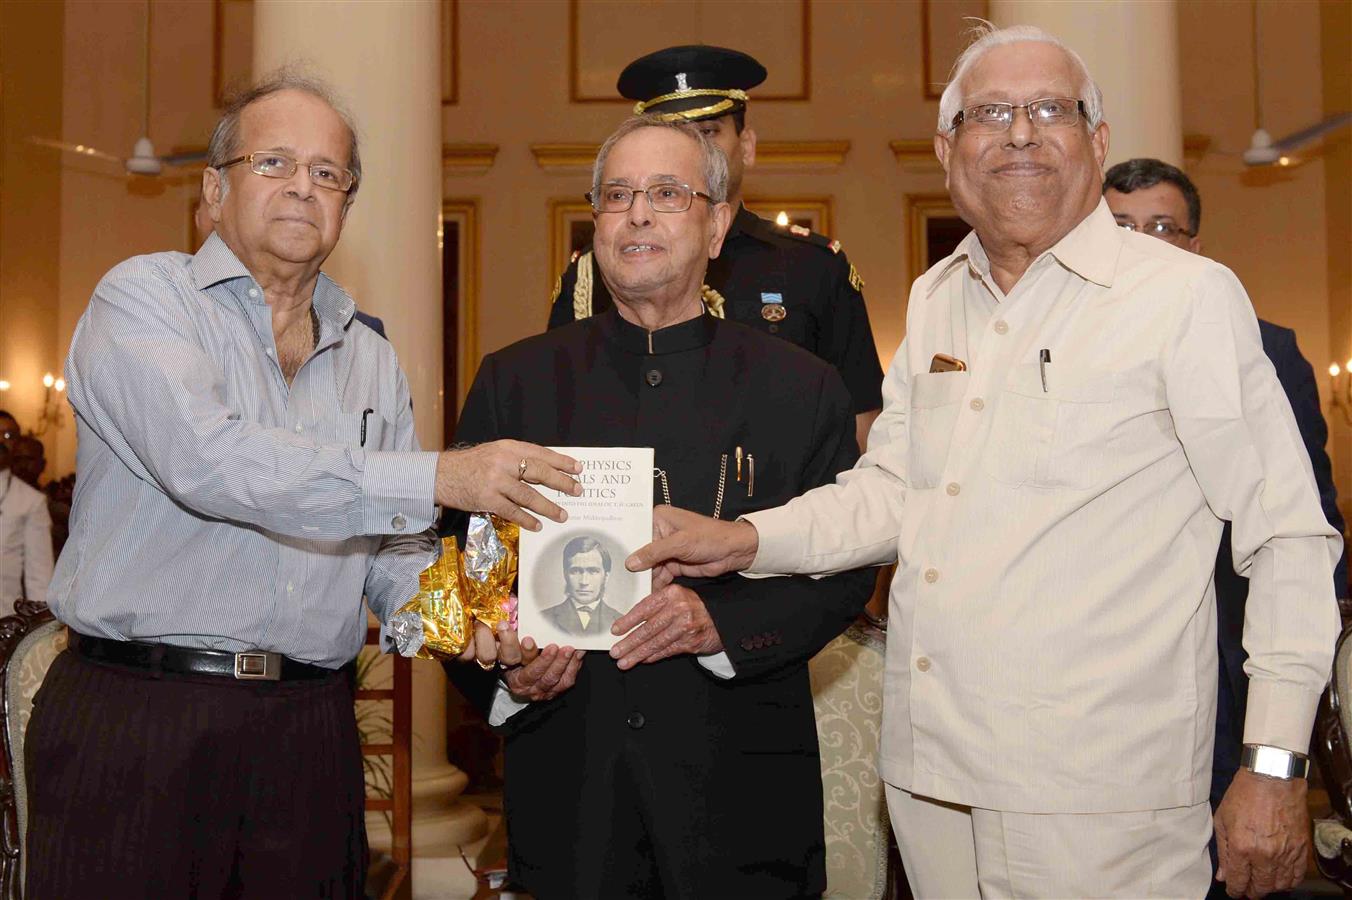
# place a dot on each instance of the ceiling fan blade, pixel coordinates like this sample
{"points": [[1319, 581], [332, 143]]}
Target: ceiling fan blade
{"points": [[81, 149], [1305, 135]]}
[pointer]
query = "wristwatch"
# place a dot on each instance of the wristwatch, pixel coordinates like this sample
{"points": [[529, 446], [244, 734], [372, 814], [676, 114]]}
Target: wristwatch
{"points": [[1274, 762]]}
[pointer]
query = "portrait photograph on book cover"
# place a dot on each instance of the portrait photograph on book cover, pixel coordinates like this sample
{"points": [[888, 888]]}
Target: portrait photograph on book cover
{"points": [[572, 581], [588, 589]]}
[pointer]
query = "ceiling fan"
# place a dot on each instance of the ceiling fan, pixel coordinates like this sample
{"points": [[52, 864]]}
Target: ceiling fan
{"points": [[1262, 149], [143, 159]]}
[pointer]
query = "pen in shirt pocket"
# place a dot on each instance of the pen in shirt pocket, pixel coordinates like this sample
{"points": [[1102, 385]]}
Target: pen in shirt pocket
{"points": [[364, 413], [1044, 359]]}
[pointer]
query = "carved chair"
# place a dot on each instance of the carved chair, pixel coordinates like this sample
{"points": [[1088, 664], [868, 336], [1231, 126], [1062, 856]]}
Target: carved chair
{"points": [[30, 640], [1332, 752]]}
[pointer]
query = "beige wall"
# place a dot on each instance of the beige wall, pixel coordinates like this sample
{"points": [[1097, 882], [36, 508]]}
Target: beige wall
{"points": [[30, 220], [1277, 230]]}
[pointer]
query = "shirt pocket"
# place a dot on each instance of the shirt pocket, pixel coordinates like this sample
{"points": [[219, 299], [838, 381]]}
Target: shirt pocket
{"points": [[369, 430], [936, 398], [1057, 438]]}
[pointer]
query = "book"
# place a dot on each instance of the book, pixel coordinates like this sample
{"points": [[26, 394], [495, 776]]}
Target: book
{"points": [[572, 584]]}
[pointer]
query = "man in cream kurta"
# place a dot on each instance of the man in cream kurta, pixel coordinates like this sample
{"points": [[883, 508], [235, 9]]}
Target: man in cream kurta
{"points": [[1054, 511]]}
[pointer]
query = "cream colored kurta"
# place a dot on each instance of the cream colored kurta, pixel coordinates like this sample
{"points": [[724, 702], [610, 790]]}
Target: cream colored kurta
{"points": [[1052, 645]]}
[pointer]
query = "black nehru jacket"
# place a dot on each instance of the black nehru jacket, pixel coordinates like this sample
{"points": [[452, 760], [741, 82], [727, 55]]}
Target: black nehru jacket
{"points": [[666, 780], [794, 284]]}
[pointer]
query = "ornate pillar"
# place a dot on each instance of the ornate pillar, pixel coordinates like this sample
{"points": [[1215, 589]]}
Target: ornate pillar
{"points": [[1131, 49], [383, 59]]}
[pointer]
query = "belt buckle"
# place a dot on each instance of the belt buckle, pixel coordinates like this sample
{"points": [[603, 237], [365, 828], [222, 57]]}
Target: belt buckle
{"points": [[258, 666]]}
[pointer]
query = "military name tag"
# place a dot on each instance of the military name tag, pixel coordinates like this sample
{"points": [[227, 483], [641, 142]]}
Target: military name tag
{"points": [[773, 312]]}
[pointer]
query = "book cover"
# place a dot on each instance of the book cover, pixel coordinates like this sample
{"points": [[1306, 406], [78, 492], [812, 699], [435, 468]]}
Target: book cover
{"points": [[572, 582]]}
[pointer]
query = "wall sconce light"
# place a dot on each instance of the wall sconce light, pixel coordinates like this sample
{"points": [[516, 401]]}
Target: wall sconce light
{"points": [[1340, 380], [51, 404], [4, 385], [782, 220]]}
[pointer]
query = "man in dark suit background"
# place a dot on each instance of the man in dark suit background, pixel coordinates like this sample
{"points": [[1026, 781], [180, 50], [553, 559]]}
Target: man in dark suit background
{"points": [[1155, 198], [586, 569]]}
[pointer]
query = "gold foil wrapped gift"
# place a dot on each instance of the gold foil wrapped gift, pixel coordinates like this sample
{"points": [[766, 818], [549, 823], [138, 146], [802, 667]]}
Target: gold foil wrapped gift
{"points": [[489, 566], [435, 623], [457, 589]]}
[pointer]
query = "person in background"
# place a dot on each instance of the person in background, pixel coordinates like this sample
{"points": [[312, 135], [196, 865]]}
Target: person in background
{"points": [[25, 529], [28, 459]]}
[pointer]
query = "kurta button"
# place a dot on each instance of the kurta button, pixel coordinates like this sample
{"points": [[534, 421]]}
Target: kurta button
{"points": [[931, 575], [923, 664], [253, 292], [977, 404], [1001, 326], [653, 377], [953, 489], [299, 428], [399, 523], [635, 720]]}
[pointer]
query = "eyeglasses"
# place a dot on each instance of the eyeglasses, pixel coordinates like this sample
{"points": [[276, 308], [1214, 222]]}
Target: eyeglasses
{"points": [[271, 164], [1160, 228], [993, 118], [665, 198]]}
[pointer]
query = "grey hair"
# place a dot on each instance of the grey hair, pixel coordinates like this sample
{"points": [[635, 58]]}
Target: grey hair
{"points": [[714, 167], [224, 144], [986, 37]]}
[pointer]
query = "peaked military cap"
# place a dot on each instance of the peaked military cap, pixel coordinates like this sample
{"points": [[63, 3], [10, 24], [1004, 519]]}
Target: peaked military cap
{"points": [[692, 82]]}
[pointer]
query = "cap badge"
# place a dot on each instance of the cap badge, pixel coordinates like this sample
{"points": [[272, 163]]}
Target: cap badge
{"points": [[681, 84]]}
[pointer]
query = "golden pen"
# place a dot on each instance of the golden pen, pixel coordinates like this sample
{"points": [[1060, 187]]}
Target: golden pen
{"points": [[738, 454], [751, 475]]}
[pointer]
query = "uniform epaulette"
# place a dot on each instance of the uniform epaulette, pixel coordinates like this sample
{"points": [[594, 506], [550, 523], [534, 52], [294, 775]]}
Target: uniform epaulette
{"points": [[808, 236]]}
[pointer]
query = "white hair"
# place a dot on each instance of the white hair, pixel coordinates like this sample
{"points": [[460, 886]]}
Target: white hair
{"points": [[714, 164], [987, 36]]}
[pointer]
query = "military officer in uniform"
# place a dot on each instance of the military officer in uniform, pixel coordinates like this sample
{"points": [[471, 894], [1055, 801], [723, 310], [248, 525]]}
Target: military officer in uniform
{"points": [[789, 282]]}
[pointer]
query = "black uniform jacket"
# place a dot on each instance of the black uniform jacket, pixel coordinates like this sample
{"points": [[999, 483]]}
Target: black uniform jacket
{"points": [[666, 780], [818, 292]]}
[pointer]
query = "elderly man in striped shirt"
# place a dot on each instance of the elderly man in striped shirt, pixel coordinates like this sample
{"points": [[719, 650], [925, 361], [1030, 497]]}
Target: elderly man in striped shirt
{"points": [[248, 471]]}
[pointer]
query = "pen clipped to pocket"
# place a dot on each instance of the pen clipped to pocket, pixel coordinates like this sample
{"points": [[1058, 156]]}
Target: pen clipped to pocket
{"points": [[745, 470]]}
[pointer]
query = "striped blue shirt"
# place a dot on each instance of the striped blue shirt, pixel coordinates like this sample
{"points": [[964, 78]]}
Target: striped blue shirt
{"points": [[216, 506]]}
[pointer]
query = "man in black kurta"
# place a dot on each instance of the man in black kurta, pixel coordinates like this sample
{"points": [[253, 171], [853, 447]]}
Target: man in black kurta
{"points": [[694, 776], [666, 780]]}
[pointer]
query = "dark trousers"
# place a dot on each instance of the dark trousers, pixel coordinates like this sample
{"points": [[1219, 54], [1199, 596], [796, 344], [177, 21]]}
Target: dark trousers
{"points": [[149, 785]]}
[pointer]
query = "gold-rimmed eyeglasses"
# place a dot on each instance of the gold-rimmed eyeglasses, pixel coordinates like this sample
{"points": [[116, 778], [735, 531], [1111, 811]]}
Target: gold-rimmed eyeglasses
{"points": [[271, 164], [993, 118], [669, 197]]}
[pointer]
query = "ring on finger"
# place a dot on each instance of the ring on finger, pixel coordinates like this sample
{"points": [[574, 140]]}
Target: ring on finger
{"points": [[487, 665], [521, 470]]}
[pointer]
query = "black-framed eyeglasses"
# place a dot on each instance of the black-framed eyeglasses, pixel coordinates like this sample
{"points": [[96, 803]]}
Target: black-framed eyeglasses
{"points": [[1160, 228], [271, 164], [669, 197], [993, 118]]}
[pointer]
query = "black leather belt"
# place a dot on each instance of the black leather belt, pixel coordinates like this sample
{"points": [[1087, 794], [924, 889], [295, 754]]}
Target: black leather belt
{"points": [[253, 665]]}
